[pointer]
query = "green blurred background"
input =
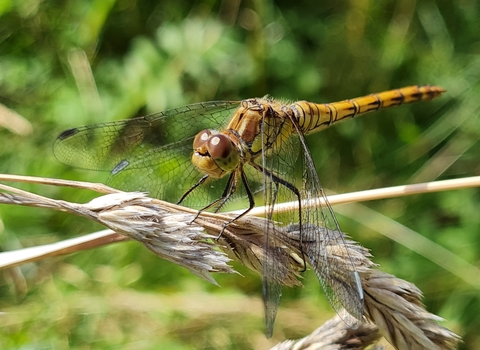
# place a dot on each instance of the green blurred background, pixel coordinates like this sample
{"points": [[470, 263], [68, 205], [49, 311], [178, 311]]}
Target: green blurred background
{"points": [[70, 63]]}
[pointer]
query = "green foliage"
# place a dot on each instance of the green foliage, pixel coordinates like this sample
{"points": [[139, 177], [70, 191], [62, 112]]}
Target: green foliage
{"points": [[66, 64]]}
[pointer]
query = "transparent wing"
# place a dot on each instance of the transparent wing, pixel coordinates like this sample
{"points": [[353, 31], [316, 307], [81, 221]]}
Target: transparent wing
{"points": [[278, 164], [150, 153], [321, 241], [325, 247]]}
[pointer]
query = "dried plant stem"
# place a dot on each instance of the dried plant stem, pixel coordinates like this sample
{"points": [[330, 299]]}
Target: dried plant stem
{"points": [[73, 245], [381, 193], [97, 187]]}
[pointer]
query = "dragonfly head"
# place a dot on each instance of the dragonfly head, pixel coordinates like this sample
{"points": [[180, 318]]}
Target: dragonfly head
{"points": [[214, 153]]}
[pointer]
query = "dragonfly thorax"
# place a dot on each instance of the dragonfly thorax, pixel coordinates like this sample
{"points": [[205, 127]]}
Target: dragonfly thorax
{"points": [[214, 153]]}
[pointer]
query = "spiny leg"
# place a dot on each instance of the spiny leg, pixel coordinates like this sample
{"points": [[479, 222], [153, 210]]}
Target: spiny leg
{"points": [[191, 189], [251, 200], [230, 189], [231, 186]]}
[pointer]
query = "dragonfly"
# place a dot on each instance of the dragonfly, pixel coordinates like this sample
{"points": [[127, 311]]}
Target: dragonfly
{"points": [[208, 154]]}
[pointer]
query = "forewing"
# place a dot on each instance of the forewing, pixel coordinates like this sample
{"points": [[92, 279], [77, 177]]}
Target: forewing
{"points": [[151, 153]]}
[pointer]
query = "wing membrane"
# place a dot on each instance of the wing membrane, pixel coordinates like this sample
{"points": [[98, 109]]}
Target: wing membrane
{"points": [[103, 146], [319, 235], [148, 153], [325, 247], [278, 164]]}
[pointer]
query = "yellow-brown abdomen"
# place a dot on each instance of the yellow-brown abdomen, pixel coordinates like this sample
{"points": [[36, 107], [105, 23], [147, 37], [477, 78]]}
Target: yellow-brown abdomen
{"points": [[313, 117]]}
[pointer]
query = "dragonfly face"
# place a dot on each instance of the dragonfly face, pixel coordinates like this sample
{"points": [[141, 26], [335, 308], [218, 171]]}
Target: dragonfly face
{"points": [[214, 153]]}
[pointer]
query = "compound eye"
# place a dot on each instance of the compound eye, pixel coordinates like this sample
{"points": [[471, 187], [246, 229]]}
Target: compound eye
{"points": [[219, 147], [201, 138]]}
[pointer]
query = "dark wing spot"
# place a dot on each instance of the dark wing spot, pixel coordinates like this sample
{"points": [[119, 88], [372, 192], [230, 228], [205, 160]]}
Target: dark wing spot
{"points": [[120, 166], [67, 133]]}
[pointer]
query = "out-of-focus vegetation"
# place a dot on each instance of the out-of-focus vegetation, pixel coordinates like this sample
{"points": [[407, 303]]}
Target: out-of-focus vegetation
{"points": [[65, 64]]}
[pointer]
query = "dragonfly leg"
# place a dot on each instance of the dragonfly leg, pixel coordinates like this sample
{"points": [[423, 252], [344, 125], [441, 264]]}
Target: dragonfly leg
{"points": [[229, 188], [199, 182], [279, 181], [251, 201], [227, 192]]}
